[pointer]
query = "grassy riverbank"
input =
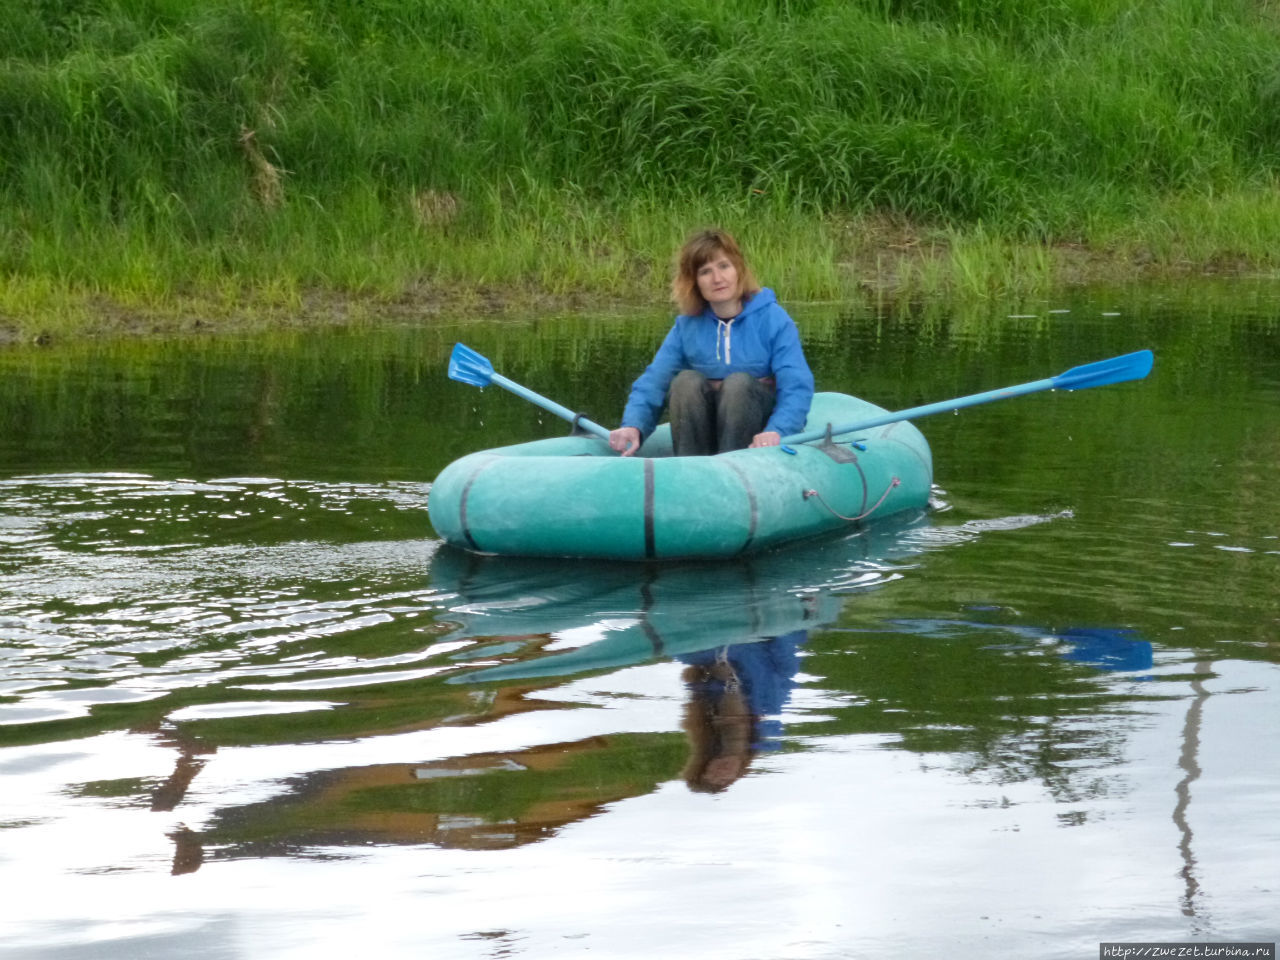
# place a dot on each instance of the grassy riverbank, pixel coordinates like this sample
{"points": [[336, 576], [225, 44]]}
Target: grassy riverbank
{"points": [[249, 158]]}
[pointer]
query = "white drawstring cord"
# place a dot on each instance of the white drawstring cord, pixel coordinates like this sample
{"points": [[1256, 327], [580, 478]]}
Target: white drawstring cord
{"points": [[724, 328]]}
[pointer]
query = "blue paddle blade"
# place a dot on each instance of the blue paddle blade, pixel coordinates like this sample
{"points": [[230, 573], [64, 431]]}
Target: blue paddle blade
{"points": [[467, 366], [1131, 366]]}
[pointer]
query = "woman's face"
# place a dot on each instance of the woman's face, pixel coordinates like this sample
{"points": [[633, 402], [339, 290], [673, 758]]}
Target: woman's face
{"points": [[718, 283]]}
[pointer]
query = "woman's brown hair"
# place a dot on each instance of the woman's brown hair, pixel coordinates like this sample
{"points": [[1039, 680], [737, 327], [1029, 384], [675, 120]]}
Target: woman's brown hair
{"points": [[720, 727], [703, 246]]}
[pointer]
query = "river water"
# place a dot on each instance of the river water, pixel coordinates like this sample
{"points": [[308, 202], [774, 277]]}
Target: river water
{"points": [[252, 707]]}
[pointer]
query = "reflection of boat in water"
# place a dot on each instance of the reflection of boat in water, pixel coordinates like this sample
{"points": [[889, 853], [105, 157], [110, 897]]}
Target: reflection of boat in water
{"points": [[546, 618], [593, 616]]}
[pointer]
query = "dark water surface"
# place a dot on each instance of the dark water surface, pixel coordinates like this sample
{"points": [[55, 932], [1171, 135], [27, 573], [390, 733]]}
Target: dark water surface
{"points": [[250, 706]]}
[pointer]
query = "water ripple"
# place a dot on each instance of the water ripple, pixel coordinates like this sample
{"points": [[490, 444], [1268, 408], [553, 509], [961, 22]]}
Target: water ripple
{"points": [[119, 588]]}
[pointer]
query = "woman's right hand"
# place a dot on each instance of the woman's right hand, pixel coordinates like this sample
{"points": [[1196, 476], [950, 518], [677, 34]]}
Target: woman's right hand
{"points": [[625, 440]]}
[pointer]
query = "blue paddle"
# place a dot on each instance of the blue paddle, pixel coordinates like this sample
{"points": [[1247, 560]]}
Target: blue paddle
{"points": [[1129, 366], [467, 366]]}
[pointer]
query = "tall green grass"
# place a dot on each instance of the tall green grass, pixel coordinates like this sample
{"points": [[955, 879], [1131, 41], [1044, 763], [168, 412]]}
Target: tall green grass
{"points": [[263, 151]]}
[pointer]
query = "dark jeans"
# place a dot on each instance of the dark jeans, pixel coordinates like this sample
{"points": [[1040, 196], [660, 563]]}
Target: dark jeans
{"points": [[707, 420]]}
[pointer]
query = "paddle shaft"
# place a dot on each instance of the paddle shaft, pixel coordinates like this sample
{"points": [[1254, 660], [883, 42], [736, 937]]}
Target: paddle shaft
{"points": [[1129, 366], [549, 405], [923, 411]]}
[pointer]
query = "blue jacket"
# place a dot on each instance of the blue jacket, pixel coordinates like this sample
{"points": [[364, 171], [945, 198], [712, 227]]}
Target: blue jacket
{"points": [[767, 670], [762, 341]]}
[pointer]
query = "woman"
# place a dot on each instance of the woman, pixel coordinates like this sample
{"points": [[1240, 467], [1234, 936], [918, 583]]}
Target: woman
{"points": [[731, 369]]}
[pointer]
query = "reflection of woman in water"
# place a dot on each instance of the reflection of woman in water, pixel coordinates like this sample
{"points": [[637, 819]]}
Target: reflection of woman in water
{"points": [[736, 693]]}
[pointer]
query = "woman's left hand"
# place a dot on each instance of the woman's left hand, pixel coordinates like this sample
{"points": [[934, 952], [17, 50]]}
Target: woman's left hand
{"points": [[766, 439]]}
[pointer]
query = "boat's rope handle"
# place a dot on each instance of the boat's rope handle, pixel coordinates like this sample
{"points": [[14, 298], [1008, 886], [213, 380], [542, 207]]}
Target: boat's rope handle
{"points": [[862, 516]]}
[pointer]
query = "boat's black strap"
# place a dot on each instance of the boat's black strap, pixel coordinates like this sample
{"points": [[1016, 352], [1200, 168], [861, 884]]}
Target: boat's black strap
{"points": [[650, 544]]}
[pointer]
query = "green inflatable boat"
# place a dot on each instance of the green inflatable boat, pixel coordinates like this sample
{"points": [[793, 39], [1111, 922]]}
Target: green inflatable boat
{"points": [[574, 497]]}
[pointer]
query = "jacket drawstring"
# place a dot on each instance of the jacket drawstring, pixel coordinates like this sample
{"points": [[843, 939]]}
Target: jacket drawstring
{"points": [[724, 329]]}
